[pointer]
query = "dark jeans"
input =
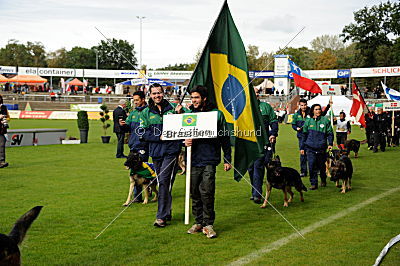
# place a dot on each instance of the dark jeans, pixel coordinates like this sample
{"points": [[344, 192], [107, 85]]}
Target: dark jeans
{"points": [[257, 172], [303, 158], [202, 189], [2, 148], [166, 170], [316, 163], [370, 140], [120, 144]]}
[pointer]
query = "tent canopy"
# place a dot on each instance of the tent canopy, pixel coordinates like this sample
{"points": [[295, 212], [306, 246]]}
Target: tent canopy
{"points": [[340, 103], [75, 82], [27, 79], [3, 79]]}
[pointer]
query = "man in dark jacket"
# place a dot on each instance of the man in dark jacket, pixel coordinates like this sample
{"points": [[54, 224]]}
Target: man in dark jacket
{"points": [[118, 115], [206, 155], [164, 153], [370, 125], [4, 117], [381, 125]]}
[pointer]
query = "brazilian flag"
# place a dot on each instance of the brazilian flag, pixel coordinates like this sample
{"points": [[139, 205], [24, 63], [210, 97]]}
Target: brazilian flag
{"points": [[222, 68]]}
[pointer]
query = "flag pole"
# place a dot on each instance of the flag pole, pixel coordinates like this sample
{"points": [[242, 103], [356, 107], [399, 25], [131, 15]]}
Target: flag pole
{"points": [[188, 172], [331, 101], [392, 127]]}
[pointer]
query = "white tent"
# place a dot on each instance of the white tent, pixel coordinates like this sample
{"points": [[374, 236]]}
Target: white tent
{"points": [[340, 103]]}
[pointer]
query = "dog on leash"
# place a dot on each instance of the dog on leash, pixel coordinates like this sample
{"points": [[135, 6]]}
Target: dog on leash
{"points": [[342, 169], [352, 145], [142, 174], [283, 178], [182, 162], [333, 155], [9, 251]]}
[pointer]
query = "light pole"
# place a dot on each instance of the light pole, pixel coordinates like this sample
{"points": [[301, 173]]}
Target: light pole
{"points": [[97, 67], [140, 58]]}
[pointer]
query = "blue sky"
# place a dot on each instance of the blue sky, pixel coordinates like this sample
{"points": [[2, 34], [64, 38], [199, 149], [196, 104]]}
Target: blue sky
{"points": [[173, 30]]}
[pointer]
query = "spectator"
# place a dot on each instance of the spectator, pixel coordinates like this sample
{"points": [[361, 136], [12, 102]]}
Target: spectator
{"points": [[118, 115], [4, 118], [343, 128]]}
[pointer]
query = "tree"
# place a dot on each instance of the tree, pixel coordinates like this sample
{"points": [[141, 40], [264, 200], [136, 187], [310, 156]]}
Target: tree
{"points": [[350, 57], [303, 56], [373, 27], [119, 54], [178, 67], [79, 57], [326, 60], [57, 58], [18, 54], [324, 42]]}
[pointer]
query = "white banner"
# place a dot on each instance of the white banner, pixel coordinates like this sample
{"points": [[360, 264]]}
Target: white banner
{"points": [[322, 74], [63, 115], [120, 74], [160, 74], [85, 107], [391, 106], [190, 126], [8, 70], [14, 113], [50, 72], [376, 71], [331, 90], [281, 66]]}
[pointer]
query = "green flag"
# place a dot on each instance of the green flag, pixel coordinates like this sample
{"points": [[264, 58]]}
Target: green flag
{"points": [[222, 68]]}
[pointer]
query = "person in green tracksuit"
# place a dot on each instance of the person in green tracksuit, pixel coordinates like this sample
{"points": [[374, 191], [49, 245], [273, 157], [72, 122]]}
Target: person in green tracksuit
{"points": [[318, 136], [257, 169]]}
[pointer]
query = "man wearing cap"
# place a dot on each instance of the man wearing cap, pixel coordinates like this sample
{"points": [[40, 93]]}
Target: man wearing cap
{"points": [[120, 114]]}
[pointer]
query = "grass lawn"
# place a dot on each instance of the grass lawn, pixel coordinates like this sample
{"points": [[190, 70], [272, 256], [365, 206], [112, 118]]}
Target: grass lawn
{"points": [[83, 186]]}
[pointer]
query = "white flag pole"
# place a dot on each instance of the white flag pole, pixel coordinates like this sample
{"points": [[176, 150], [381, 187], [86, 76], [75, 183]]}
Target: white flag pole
{"points": [[188, 173]]}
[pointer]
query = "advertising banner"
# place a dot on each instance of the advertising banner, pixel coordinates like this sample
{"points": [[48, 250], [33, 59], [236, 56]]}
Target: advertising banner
{"points": [[160, 74], [8, 70], [375, 72]]}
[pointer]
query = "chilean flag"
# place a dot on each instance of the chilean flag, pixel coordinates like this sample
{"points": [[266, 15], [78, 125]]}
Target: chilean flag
{"points": [[357, 109], [301, 79]]}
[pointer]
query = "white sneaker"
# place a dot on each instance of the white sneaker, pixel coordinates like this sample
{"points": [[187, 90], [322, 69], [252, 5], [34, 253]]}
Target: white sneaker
{"points": [[209, 231]]}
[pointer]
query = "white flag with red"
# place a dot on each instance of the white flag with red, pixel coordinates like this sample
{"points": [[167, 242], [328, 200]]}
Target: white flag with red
{"points": [[357, 109]]}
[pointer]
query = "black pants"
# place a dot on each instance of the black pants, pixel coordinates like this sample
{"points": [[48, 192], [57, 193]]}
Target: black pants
{"points": [[203, 194], [341, 137], [120, 144], [379, 140], [370, 140], [2, 148]]}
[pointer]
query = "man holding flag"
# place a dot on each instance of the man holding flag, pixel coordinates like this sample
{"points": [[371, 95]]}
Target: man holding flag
{"points": [[223, 69]]}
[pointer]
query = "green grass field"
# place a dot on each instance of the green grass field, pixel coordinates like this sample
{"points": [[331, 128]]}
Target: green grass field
{"points": [[83, 186]]}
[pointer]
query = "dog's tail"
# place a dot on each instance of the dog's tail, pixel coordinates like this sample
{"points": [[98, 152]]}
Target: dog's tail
{"points": [[17, 234]]}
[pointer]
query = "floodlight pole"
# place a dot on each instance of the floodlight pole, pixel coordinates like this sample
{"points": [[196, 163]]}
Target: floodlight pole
{"points": [[140, 58], [97, 67]]}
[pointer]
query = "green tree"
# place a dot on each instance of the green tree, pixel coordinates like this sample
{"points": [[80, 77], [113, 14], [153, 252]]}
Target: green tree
{"points": [[58, 58], [324, 42], [118, 54], [19, 54], [326, 60], [374, 26], [79, 57], [178, 67], [303, 56]]}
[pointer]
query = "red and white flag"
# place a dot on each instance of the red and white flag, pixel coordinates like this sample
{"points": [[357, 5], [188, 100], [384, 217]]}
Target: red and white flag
{"points": [[357, 109]]}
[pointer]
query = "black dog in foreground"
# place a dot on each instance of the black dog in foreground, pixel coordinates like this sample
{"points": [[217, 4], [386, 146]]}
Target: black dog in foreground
{"points": [[342, 169], [9, 251], [352, 145], [283, 178]]}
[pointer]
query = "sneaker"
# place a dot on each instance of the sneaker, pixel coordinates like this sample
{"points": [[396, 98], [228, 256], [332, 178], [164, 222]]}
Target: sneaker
{"points": [[209, 231], [160, 223], [195, 228], [251, 198], [313, 187], [303, 174], [2, 165], [257, 200]]}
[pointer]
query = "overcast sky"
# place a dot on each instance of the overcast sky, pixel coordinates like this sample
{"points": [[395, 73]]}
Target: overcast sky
{"points": [[173, 30]]}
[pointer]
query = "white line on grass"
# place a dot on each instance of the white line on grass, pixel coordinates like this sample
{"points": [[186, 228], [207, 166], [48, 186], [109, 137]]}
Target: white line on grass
{"points": [[283, 241]]}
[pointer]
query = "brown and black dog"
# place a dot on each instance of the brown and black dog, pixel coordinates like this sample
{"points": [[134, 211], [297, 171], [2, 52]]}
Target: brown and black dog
{"points": [[333, 155], [342, 169], [283, 178], [135, 164], [352, 145], [9, 251], [182, 162]]}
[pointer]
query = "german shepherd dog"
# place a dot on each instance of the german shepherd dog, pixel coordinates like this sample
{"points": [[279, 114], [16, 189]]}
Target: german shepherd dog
{"points": [[342, 169], [352, 145], [182, 162], [283, 178], [333, 156], [136, 164], [9, 251]]}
